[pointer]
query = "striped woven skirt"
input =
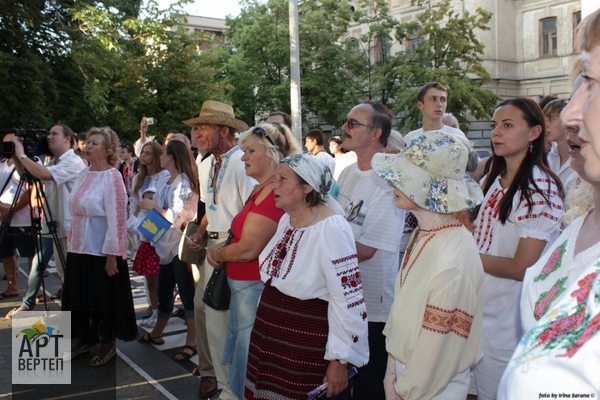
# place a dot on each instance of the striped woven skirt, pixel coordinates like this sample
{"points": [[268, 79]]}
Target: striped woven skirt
{"points": [[287, 347]]}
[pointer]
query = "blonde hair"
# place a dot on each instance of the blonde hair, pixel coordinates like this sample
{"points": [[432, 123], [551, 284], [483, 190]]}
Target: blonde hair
{"points": [[283, 142], [579, 200], [111, 143]]}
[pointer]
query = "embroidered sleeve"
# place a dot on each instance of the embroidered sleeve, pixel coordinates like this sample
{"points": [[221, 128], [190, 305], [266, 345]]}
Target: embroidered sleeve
{"points": [[443, 321], [115, 203], [347, 313], [542, 222]]}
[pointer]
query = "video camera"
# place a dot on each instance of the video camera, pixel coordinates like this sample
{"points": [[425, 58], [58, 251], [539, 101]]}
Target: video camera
{"points": [[35, 141]]}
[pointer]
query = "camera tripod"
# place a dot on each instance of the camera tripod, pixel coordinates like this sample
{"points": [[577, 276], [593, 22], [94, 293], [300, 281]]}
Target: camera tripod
{"points": [[38, 207]]}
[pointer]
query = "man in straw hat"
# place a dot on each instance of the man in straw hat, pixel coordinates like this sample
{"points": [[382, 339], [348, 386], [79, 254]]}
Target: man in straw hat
{"points": [[224, 187], [377, 227]]}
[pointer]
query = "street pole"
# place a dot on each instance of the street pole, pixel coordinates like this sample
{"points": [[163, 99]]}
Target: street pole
{"points": [[295, 71]]}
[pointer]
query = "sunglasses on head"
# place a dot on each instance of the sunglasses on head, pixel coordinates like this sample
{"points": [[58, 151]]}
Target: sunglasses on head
{"points": [[352, 123], [257, 130]]}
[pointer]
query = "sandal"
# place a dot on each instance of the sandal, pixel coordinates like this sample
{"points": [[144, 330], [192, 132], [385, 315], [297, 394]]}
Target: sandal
{"points": [[151, 340], [183, 356], [148, 313], [57, 295], [5, 295], [40, 298]]}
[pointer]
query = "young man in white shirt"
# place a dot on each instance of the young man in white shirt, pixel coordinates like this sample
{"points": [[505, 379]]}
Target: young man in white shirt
{"points": [[315, 144]]}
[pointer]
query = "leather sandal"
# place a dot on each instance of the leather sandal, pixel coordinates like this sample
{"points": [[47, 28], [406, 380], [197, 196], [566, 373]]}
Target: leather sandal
{"points": [[151, 340], [182, 355]]}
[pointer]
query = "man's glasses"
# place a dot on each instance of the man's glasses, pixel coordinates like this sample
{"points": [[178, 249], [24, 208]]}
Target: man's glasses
{"points": [[257, 130], [352, 123]]}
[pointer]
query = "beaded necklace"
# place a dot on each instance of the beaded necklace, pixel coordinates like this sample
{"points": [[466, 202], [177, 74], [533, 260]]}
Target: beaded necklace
{"points": [[413, 242]]}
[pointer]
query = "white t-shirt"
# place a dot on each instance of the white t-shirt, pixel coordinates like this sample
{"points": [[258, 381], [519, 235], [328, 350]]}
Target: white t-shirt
{"points": [[369, 206], [64, 171], [232, 185], [342, 162], [22, 217]]}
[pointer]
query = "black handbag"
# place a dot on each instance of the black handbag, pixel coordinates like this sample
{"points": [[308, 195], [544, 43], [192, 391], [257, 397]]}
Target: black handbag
{"points": [[217, 293]]}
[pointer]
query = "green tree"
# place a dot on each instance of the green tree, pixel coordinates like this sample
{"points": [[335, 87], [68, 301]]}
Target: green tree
{"points": [[258, 70], [93, 62], [446, 57]]}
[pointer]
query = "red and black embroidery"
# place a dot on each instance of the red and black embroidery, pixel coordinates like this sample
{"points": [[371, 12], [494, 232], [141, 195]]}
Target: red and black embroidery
{"points": [[445, 321]]}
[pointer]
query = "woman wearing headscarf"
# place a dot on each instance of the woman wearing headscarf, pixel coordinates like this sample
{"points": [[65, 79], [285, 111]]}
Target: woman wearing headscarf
{"points": [[434, 330], [311, 322], [264, 147]]}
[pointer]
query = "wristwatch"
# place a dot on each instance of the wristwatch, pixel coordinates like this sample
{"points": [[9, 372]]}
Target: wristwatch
{"points": [[23, 156], [342, 361]]}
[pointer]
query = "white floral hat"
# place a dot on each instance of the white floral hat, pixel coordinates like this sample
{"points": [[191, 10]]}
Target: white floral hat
{"points": [[430, 171]]}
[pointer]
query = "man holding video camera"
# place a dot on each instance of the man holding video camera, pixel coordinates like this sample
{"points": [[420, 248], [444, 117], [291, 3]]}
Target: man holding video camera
{"points": [[58, 177]]}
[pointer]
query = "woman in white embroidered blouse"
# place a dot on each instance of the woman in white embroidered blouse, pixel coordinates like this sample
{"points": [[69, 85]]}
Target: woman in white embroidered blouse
{"points": [[434, 330], [97, 290], [311, 320], [561, 351], [176, 200], [518, 218]]}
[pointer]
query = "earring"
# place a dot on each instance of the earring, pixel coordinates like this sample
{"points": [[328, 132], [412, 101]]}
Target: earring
{"points": [[530, 147]]}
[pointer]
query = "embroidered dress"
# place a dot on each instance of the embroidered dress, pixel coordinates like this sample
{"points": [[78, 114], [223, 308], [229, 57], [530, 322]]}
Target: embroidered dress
{"points": [[501, 312], [101, 306], [327, 283], [435, 325], [561, 352], [555, 271]]}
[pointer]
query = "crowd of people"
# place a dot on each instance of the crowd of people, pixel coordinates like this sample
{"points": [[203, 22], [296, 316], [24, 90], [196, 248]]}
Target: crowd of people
{"points": [[387, 258]]}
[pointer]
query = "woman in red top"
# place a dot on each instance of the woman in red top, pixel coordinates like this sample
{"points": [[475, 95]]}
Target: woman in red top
{"points": [[264, 147]]}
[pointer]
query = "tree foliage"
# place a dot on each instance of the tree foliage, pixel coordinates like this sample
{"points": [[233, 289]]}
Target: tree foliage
{"points": [[441, 55], [258, 70], [105, 63]]}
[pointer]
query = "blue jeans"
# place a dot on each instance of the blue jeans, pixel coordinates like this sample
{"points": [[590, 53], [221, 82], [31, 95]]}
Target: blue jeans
{"points": [[242, 312], [35, 275], [175, 272]]}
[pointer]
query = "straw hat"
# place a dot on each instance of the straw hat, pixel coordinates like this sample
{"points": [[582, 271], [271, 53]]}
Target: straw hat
{"points": [[430, 171], [215, 112]]}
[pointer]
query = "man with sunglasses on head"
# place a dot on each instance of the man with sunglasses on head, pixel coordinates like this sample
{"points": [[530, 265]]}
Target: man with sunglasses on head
{"points": [[377, 226], [224, 188]]}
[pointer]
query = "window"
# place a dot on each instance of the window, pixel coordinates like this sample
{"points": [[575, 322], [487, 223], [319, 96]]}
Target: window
{"points": [[576, 21], [549, 43], [414, 40]]}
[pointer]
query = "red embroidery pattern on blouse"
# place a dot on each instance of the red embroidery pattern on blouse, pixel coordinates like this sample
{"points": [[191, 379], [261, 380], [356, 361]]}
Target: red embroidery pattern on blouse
{"points": [[277, 256], [121, 209], [445, 321], [346, 269]]}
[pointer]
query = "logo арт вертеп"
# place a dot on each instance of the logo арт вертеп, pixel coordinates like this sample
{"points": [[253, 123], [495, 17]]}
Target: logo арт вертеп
{"points": [[39, 341]]}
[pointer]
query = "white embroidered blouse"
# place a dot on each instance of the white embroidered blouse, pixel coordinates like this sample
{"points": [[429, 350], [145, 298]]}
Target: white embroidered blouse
{"points": [[501, 315], [435, 326], [320, 262], [99, 208]]}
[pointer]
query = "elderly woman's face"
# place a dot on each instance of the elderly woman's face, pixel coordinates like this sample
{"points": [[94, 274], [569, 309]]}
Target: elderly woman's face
{"points": [[585, 108], [95, 149], [288, 191]]}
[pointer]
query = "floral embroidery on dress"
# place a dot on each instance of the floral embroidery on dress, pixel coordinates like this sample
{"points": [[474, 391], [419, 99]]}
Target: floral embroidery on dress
{"points": [[443, 321], [546, 298], [554, 262], [562, 332], [347, 270]]}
